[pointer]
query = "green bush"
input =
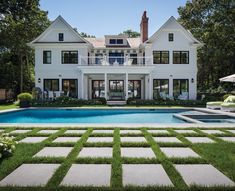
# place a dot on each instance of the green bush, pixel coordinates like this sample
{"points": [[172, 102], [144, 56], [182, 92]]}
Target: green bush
{"points": [[186, 103], [65, 101], [25, 97], [7, 145]]}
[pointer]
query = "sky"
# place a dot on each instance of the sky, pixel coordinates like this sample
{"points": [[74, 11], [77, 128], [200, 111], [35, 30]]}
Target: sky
{"points": [[111, 17]]}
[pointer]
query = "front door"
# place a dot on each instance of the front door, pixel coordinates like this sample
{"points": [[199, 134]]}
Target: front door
{"points": [[116, 90], [70, 87]]}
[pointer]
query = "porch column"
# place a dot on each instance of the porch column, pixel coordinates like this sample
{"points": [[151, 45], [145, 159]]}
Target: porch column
{"points": [[126, 86], [150, 86], [82, 85], [105, 86]]}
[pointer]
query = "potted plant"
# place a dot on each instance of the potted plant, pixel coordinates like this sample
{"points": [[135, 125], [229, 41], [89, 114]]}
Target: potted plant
{"points": [[25, 99]]}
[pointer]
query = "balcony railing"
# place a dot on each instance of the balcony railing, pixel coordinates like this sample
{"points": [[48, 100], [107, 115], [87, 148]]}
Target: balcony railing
{"points": [[115, 61]]}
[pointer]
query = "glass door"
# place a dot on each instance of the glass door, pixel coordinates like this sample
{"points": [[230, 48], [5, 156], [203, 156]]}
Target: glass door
{"points": [[98, 89], [116, 58], [70, 87], [134, 89], [116, 90]]}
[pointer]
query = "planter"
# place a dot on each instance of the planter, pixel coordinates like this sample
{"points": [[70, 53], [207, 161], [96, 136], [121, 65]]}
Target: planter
{"points": [[24, 104]]}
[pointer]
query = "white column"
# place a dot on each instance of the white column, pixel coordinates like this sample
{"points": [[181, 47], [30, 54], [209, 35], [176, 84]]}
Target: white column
{"points": [[82, 85], [126, 86], [105, 86], [150, 86]]}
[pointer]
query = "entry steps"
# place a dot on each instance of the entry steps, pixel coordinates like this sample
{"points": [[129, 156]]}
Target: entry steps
{"points": [[116, 102]]}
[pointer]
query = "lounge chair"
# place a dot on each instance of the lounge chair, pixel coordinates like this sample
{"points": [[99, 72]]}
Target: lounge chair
{"points": [[214, 105], [226, 105]]}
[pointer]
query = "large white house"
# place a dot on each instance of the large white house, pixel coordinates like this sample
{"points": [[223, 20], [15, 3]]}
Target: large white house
{"points": [[117, 67]]}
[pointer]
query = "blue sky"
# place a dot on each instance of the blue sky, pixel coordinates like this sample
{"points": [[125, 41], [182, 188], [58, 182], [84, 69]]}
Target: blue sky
{"points": [[103, 17]]}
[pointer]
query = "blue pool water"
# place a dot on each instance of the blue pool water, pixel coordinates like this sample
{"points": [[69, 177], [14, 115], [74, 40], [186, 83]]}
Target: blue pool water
{"points": [[91, 116]]}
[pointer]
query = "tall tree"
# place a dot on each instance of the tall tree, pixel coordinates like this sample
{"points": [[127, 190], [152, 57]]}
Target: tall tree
{"points": [[131, 33], [20, 22], [213, 22]]}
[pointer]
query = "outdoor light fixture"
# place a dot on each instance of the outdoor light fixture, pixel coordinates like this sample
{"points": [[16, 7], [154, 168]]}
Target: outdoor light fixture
{"points": [[192, 80], [39, 80]]}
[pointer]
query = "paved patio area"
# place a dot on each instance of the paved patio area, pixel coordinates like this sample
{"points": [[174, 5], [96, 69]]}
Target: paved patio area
{"points": [[93, 157]]}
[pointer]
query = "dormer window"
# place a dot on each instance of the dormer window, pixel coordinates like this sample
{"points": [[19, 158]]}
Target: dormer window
{"points": [[119, 41], [61, 36], [112, 41], [170, 37]]}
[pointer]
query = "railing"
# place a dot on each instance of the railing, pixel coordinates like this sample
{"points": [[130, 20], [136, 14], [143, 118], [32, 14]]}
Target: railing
{"points": [[115, 61]]}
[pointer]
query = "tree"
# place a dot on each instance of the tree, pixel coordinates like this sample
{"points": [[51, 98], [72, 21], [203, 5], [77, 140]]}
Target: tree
{"points": [[213, 22], [131, 33], [85, 35], [21, 21]]}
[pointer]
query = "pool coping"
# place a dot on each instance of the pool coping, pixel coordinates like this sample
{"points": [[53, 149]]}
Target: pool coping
{"points": [[125, 125]]}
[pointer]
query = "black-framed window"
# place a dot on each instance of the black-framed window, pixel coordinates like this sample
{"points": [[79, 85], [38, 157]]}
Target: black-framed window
{"points": [[134, 58], [70, 87], [180, 57], [170, 37], [46, 57], [69, 57], [112, 41], [116, 85], [61, 36], [160, 87], [160, 57], [98, 89], [180, 87], [51, 84], [98, 58], [119, 41]]}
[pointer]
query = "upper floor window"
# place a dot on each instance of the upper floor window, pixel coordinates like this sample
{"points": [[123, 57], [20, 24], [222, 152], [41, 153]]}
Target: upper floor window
{"points": [[119, 41], [160, 57], [112, 41], [61, 36], [69, 57], [51, 84], [170, 37], [180, 57], [46, 57]]}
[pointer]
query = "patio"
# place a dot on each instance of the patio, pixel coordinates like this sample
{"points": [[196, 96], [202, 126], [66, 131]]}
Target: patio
{"points": [[116, 158]]}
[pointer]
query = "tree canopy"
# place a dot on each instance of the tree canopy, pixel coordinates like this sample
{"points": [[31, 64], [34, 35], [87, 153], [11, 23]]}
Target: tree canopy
{"points": [[131, 33], [20, 22], [212, 22]]}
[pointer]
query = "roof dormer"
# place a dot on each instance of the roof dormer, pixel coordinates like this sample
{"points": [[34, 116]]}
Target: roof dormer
{"points": [[116, 40]]}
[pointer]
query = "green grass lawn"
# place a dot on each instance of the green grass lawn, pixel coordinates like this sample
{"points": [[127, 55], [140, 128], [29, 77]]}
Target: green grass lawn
{"points": [[220, 154], [8, 106]]}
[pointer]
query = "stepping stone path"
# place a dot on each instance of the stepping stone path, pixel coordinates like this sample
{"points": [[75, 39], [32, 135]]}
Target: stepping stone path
{"points": [[54, 152], [94, 152], [100, 140], [229, 139], [203, 175], [48, 131], [200, 140], [231, 131], [167, 139], [19, 131], [33, 139], [66, 139], [184, 131], [130, 132], [102, 131], [88, 175], [75, 131], [133, 139], [30, 175], [158, 131], [145, 175], [180, 152], [137, 152], [212, 131]]}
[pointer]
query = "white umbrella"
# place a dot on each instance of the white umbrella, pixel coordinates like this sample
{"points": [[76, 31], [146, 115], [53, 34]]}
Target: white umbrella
{"points": [[230, 78]]}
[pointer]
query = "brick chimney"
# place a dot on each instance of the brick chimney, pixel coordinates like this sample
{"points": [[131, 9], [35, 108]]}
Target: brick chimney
{"points": [[144, 27]]}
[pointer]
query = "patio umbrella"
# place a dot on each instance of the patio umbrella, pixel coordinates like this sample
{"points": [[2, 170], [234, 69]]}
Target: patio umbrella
{"points": [[230, 78]]}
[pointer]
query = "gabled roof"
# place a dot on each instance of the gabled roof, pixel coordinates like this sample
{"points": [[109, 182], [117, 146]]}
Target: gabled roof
{"points": [[172, 19], [60, 19]]}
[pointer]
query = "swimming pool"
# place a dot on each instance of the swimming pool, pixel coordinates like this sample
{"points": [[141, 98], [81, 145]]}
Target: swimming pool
{"points": [[92, 116]]}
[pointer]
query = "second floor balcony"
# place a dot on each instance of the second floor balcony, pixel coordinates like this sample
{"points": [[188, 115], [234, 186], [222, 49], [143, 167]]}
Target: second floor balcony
{"points": [[115, 61]]}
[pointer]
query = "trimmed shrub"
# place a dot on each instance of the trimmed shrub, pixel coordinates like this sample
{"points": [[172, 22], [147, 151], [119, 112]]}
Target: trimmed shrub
{"points": [[25, 99], [7, 145]]}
